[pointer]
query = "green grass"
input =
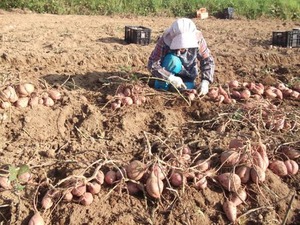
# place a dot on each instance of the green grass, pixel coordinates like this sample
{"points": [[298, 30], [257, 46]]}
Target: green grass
{"points": [[252, 9]]}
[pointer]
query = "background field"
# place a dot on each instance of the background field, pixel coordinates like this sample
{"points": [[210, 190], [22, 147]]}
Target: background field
{"points": [[86, 58], [285, 9]]}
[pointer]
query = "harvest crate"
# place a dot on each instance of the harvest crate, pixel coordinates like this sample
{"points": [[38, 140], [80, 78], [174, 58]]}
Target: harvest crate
{"points": [[228, 13], [137, 34], [202, 13], [289, 39]]}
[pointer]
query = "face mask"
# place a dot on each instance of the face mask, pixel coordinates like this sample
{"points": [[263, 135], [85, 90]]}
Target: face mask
{"points": [[187, 57], [181, 51]]}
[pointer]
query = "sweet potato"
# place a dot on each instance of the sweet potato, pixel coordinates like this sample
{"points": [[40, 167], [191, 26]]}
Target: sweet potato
{"points": [[202, 165], [121, 173], [24, 177], [100, 177], [67, 196], [36, 219], [213, 93], [262, 150], [229, 181], [25, 89], [154, 186], [257, 174], [278, 167], [47, 201], [230, 210], [127, 101], [239, 197], [235, 94], [5, 183], [135, 170], [244, 173], [159, 171], [22, 102], [200, 182], [110, 177], [233, 84], [236, 143], [292, 166], [176, 179], [93, 187], [230, 158], [245, 94], [79, 189], [86, 199], [223, 92], [290, 152], [258, 160], [5, 105], [54, 94], [133, 188]]}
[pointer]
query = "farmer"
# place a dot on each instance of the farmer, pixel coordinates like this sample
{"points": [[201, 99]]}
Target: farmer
{"points": [[177, 56]]}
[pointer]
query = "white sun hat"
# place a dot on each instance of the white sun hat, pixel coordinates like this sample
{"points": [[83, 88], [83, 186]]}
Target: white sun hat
{"points": [[181, 34], [184, 40]]}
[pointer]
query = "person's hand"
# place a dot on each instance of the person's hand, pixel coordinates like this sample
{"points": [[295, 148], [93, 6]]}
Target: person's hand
{"points": [[204, 87], [176, 81]]}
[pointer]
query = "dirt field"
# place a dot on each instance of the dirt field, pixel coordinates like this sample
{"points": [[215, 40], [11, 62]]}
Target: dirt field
{"points": [[87, 60]]}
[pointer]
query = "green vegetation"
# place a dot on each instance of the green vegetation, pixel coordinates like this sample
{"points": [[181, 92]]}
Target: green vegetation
{"points": [[285, 9]]}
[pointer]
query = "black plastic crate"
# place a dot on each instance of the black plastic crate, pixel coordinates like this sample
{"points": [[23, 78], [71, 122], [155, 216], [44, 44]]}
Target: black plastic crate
{"points": [[294, 40], [137, 34], [289, 39], [228, 13]]}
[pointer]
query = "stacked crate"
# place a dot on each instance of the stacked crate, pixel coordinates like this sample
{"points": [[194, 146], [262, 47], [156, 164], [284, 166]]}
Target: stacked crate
{"points": [[228, 13], [137, 35], [290, 39]]}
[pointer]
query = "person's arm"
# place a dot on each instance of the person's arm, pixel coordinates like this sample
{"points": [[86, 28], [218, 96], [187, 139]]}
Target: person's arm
{"points": [[154, 63], [207, 64]]}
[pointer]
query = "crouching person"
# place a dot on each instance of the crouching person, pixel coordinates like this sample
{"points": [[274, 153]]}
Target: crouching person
{"points": [[178, 56]]}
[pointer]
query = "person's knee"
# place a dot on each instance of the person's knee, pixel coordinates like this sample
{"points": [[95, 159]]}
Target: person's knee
{"points": [[161, 85], [151, 83], [190, 84], [172, 63]]}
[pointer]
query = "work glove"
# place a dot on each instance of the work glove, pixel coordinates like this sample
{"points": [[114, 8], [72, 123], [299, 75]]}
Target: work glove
{"points": [[176, 81], [204, 87]]}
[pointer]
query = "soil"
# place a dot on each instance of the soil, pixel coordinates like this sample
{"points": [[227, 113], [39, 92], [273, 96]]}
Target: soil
{"points": [[88, 61]]}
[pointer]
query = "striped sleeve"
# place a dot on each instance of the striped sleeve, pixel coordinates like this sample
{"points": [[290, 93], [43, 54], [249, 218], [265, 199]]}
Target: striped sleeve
{"points": [[207, 64]]}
